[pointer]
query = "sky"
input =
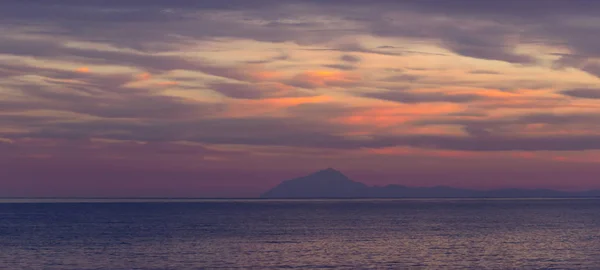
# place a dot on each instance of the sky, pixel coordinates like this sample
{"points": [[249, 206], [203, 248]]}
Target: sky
{"points": [[227, 98]]}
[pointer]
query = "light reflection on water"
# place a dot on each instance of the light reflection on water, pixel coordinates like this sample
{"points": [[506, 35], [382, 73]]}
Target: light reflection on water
{"points": [[400, 234]]}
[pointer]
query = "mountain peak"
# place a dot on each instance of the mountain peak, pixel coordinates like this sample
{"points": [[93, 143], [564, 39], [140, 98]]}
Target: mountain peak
{"points": [[328, 182], [328, 171]]}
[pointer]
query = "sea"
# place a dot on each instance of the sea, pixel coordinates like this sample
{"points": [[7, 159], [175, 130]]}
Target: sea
{"points": [[300, 234]]}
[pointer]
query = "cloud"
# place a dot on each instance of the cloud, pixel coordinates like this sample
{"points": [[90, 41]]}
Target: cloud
{"points": [[66, 46], [312, 125], [350, 58], [324, 78], [465, 31], [348, 63], [411, 97], [476, 131], [356, 48], [592, 68], [404, 78], [304, 138], [256, 91], [281, 57], [167, 26], [246, 130], [154, 63], [95, 149], [582, 93], [485, 45], [341, 66], [481, 71], [520, 119], [100, 95]]}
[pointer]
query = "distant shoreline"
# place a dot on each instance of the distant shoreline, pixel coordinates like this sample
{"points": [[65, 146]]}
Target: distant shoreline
{"points": [[23, 200]]}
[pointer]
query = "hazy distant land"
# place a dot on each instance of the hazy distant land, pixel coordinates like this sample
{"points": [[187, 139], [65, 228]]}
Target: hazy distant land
{"points": [[330, 183]]}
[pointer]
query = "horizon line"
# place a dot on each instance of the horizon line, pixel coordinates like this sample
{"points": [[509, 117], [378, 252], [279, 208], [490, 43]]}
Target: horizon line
{"points": [[291, 198]]}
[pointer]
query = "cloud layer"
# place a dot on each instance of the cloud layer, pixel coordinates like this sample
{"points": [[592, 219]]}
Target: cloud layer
{"points": [[225, 82]]}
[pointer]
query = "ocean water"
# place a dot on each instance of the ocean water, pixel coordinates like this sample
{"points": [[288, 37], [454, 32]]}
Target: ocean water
{"points": [[280, 234]]}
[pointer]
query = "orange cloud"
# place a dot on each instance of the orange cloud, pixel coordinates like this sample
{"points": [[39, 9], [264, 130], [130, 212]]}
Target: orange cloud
{"points": [[271, 106], [144, 76], [372, 119], [420, 109], [293, 101], [165, 83], [265, 75], [83, 70], [493, 93], [535, 126], [394, 115], [405, 151], [322, 78]]}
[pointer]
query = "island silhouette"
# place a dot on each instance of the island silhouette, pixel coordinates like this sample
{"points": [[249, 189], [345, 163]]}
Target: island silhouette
{"points": [[331, 183]]}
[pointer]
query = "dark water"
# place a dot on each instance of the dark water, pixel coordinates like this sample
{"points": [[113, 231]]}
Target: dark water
{"points": [[351, 234]]}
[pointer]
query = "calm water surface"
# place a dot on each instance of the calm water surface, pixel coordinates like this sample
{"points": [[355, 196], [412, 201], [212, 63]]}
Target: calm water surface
{"points": [[334, 234]]}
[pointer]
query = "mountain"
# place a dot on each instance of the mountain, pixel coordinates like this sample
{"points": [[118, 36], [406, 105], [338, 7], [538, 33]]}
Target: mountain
{"points": [[327, 183], [330, 183]]}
